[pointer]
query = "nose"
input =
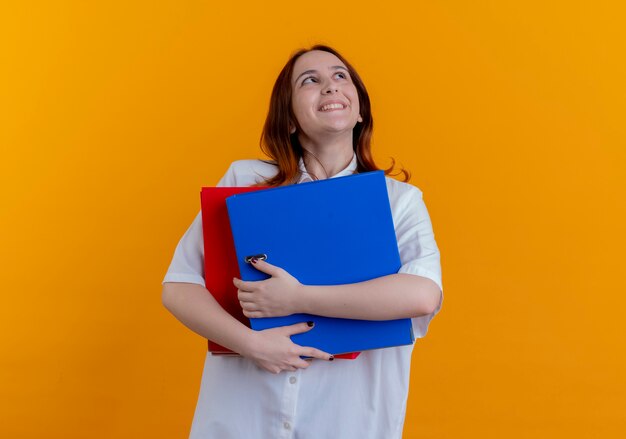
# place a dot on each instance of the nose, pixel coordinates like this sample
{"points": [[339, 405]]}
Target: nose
{"points": [[330, 88]]}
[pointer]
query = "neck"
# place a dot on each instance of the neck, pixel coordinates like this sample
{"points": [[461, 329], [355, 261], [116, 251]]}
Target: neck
{"points": [[325, 158]]}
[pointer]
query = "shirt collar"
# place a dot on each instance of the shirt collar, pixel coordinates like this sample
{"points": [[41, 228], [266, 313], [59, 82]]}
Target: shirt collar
{"points": [[348, 170]]}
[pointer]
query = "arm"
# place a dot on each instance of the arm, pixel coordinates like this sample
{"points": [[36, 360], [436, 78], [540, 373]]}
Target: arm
{"points": [[192, 303], [385, 298], [389, 297], [271, 349]]}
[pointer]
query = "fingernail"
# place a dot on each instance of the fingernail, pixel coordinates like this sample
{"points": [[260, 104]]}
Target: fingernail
{"points": [[253, 260], [310, 324], [332, 357]]}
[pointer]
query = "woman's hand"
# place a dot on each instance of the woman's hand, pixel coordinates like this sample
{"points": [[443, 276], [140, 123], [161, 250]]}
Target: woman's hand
{"points": [[273, 350], [273, 297]]}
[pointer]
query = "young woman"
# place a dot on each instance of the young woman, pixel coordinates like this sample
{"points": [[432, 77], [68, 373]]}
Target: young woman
{"points": [[319, 126]]}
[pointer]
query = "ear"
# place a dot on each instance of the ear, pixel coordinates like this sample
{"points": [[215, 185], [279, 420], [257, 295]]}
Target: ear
{"points": [[292, 128], [359, 119]]}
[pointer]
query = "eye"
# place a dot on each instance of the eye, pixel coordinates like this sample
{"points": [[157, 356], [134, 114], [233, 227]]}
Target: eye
{"points": [[343, 75], [307, 78]]}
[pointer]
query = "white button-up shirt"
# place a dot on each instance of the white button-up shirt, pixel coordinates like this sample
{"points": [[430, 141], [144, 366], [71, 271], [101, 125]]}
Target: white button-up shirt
{"points": [[348, 399]]}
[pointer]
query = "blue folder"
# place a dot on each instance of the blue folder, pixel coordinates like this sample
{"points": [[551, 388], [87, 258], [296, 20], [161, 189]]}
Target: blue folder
{"points": [[327, 232]]}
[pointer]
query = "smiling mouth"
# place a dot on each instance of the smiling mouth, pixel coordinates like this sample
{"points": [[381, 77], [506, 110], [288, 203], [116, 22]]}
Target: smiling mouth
{"points": [[332, 107]]}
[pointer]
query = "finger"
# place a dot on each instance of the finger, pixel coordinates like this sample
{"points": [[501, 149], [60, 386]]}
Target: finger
{"points": [[302, 363], [253, 314], [245, 296], [248, 306], [266, 267], [267, 367], [298, 328], [243, 285], [316, 353]]}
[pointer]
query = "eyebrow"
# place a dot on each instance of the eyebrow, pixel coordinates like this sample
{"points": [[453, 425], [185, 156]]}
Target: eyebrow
{"points": [[315, 71]]}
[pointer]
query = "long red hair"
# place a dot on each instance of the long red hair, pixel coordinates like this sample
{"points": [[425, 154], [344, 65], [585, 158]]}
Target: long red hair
{"points": [[284, 148]]}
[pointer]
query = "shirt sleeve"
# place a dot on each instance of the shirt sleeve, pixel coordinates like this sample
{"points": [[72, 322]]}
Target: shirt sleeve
{"points": [[188, 262], [419, 253]]}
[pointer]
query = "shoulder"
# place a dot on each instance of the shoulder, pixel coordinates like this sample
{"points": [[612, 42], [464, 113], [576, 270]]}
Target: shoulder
{"points": [[406, 202], [400, 191], [248, 172]]}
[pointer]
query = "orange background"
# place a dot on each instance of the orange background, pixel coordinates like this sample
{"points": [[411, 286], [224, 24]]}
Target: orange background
{"points": [[511, 116]]}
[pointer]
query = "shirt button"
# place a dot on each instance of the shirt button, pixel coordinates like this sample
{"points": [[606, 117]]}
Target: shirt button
{"points": [[287, 425], [292, 380]]}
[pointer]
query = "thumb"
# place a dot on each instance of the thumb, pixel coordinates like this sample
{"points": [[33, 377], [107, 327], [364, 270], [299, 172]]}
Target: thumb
{"points": [[265, 267]]}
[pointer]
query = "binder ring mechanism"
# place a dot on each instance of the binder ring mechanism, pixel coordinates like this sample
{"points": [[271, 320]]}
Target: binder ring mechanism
{"points": [[261, 256]]}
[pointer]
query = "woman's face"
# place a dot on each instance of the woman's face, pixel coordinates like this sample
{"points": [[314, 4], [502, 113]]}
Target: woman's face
{"points": [[324, 98]]}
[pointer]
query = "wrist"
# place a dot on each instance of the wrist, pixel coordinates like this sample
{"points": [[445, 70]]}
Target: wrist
{"points": [[248, 343], [304, 299]]}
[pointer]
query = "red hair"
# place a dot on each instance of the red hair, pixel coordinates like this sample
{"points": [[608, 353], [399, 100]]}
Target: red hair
{"points": [[285, 149]]}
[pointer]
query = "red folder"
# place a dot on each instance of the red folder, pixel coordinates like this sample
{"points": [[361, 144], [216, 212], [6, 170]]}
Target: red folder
{"points": [[220, 259], [220, 264]]}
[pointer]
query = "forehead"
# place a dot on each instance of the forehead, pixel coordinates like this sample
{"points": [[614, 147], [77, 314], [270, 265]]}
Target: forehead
{"points": [[315, 60]]}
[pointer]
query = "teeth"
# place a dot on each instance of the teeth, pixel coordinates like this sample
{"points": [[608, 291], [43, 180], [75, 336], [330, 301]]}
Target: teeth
{"points": [[331, 107]]}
